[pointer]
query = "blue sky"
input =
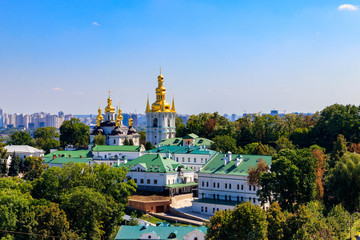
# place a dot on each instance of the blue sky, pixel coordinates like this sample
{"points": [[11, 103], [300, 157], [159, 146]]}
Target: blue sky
{"points": [[225, 56]]}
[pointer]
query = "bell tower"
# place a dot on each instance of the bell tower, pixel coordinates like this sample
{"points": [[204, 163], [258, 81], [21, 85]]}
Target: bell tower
{"points": [[160, 118]]}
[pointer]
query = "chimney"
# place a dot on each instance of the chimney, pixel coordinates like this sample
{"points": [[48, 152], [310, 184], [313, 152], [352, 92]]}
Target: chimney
{"points": [[225, 160], [238, 160], [118, 162], [54, 156], [69, 156], [80, 156], [229, 155]]}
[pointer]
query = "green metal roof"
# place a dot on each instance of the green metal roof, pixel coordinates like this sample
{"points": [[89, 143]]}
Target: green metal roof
{"points": [[216, 164], [74, 153], [191, 136], [177, 185], [217, 201], [153, 163], [172, 141], [122, 148], [182, 150], [163, 231]]}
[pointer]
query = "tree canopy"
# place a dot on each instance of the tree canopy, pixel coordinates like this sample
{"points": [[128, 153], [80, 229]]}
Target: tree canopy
{"points": [[73, 132]]}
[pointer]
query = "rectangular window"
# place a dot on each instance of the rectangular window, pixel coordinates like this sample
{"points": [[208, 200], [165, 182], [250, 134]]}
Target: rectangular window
{"points": [[254, 188], [249, 188], [148, 181], [182, 159], [207, 184], [213, 210], [202, 209], [188, 159], [135, 180], [155, 181], [225, 185], [238, 187], [254, 200], [142, 181], [177, 159], [242, 199], [194, 159], [205, 209], [229, 185], [229, 198], [214, 185], [202, 160], [218, 185], [242, 187], [202, 183]]}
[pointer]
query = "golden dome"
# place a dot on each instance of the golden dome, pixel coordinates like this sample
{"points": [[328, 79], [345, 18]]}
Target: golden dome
{"points": [[157, 106], [109, 107]]}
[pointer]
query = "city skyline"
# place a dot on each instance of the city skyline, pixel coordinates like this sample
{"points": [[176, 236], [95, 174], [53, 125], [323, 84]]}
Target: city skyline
{"points": [[228, 57]]}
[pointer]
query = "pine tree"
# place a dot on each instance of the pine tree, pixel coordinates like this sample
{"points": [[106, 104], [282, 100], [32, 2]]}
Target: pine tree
{"points": [[14, 165], [126, 141], [131, 142]]}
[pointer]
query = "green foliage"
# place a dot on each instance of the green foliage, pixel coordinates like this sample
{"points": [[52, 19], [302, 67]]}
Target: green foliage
{"points": [[258, 149], [338, 219], [283, 142], [46, 138], [343, 182], [107, 180], [224, 144], [126, 142], [3, 161], [90, 212], [292, 178], [142, 137], [339, 149], [181, 130], [34, 168], [334, 120], [277, 222], [14, 165], [21, 138], [149, 146], [246, 221], [73, 132], [131, 142], [99, 139], [133, 219]]}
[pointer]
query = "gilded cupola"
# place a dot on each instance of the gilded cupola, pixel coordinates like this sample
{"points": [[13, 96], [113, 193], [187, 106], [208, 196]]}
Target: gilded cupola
{"points": [[160, 105], [109, 107]]}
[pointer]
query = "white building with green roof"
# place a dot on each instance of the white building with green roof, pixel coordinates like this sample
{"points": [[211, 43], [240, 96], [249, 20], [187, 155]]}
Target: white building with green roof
{"points": [[113, 154], [153, 172], [190, 139], [223, 182], [191, 156], [59, 158]]}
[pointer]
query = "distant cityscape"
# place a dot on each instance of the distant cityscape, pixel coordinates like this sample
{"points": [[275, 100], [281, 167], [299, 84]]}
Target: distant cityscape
{"points": [[42, 119]]}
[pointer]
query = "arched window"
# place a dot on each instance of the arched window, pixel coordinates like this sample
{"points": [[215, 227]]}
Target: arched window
{"points": [[155, 122], [172, 235]]}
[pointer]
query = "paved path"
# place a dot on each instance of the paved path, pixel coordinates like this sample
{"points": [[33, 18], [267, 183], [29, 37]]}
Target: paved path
{"points": [[168, 216]]}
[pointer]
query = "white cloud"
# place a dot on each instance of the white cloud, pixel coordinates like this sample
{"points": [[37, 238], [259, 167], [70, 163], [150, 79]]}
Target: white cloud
{"points": [[78, 93], [96, 24], [58, 89], [348, 7]]}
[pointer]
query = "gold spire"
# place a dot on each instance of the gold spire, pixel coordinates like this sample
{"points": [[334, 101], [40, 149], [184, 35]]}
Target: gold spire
{"points": [[99, 117], [130, 121], [173, 105], [160, 97], [119, 118], [109, 107], [147, 105]]}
